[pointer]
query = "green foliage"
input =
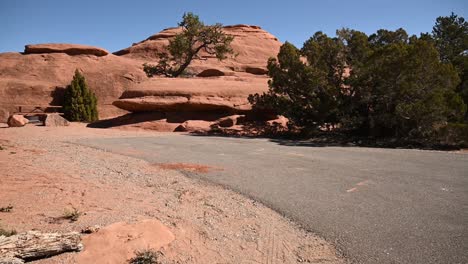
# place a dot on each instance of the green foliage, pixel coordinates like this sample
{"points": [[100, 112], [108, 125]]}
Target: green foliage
{"points": [[6, 232], [146, 257], [6, 209], [195, 37], [387, 84], [450, 35], [80, 103], [297, 90], [385, 37], [403, 90], [71, 214], [454, 134]]}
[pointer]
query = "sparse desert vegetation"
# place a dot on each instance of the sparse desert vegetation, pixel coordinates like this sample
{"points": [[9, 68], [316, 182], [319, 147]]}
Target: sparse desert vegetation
{"points": [[357, 136], [6, 209], [147, 256], [71, 214], [7, 232]]}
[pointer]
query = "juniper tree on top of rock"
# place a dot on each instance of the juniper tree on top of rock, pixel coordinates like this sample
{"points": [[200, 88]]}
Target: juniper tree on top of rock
{"points": [[185, 46], [80, 103]]}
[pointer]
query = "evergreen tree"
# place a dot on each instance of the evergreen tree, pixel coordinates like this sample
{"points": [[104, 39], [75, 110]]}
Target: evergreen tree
{"points": [[450, 35], [298, 91], [80, 103], [185, 46], [404, 90], [385, 85]]}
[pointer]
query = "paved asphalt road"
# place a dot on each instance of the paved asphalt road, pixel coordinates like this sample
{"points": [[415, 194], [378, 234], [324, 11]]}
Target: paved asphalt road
{"points": [[375, 205]]}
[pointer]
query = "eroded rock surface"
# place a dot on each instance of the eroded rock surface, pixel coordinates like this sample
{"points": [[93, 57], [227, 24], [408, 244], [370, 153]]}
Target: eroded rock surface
{"points": [[70, 49], [38, 77], [196, 94], [252, 45], [32, 80], [117, 243]]}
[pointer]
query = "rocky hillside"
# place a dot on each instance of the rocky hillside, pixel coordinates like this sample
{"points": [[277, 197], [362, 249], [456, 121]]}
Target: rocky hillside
{"points": [[252, 45], [38, 76]]}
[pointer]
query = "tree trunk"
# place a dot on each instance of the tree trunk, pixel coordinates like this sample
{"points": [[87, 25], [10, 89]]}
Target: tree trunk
{"points": [[188, 61], [182, 67], [35, 245]]}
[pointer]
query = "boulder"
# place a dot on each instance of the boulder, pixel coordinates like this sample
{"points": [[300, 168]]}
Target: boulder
{"points": [[194, 126], [228, 121], [17, 121], [70, 49], [118, 242], [281, 122], [55, 120]]}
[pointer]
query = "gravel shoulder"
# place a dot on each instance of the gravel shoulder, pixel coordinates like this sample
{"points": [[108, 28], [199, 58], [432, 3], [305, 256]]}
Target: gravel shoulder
{"points": [[43, 174], [375, 205]]}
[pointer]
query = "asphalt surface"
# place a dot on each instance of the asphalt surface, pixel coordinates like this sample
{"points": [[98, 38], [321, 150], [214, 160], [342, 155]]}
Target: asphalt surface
{"points": [[376, 205]]}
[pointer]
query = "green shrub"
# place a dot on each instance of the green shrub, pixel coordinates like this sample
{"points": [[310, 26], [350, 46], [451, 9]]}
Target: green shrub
{"points": [[454, 134], [7, 233], [386, 85], [80, 103], [297, 90], [72, 214], [6, 209], [146, 257]]}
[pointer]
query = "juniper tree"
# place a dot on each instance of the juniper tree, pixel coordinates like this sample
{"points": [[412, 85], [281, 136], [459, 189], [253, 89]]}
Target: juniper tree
{"points": [[450, 35], [297, 90], [195, 37], [79, 103]]}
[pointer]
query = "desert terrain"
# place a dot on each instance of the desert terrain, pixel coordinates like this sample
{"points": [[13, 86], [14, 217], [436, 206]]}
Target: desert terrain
{"points": [[194, 168], [138, 204]]}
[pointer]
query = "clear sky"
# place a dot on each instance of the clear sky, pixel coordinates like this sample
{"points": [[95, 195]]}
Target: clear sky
{"points": [[116, 24]]}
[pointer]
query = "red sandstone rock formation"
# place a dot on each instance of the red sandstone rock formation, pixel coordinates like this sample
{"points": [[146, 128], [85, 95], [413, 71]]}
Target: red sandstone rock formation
{"points": [[31, 80], [252, 45], [220, 88], [70, 49]]}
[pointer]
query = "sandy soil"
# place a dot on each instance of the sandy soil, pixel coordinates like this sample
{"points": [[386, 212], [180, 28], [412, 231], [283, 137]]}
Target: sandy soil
{"points": [[43, 174]]}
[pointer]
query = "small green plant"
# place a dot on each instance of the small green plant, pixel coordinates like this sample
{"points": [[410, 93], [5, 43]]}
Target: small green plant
{"points": [[147, 256], [6, 209], [72, 214], [7, 233]]}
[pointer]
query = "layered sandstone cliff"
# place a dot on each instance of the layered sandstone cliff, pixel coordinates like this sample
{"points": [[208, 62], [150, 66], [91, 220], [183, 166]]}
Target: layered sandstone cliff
{"points": [[38, 76]]}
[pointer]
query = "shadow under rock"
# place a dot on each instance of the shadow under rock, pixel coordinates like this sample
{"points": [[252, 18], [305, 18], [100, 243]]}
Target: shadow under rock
{"points": [[128, 119]]}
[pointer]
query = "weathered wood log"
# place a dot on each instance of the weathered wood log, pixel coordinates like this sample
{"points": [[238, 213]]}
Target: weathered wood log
{"points": [[10, 260], [36, 245]]}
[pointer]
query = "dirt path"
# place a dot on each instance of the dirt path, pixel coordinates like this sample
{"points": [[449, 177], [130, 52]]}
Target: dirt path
{"points": [[42, 176]]}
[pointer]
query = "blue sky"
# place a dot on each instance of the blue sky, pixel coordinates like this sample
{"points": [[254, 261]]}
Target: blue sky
{"points": [[116, 24]]}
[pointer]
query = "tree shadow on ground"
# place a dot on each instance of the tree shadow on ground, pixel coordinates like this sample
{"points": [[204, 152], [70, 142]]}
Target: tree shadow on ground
{"points": [[330, 139], [169, 117]]}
